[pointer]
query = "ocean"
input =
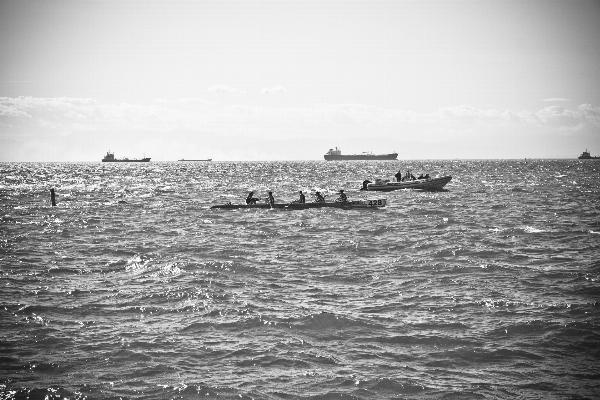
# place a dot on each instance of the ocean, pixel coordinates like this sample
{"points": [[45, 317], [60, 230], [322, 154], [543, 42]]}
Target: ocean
{"points": [[131, 287]]}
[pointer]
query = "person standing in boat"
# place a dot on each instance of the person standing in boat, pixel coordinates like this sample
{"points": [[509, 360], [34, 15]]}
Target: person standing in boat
{"points": [[342, 198], [398, 176], [319, 198], [250, 199]]}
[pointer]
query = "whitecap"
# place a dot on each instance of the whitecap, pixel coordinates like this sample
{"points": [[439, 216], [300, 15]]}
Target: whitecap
{"points": [[531, 229]]}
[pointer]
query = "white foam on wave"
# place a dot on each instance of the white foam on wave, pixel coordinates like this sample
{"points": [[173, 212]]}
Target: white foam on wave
{"points": [[531, 229]]}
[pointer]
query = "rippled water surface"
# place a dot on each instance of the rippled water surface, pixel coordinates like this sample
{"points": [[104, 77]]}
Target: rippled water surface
{"points": [[131, 287]]}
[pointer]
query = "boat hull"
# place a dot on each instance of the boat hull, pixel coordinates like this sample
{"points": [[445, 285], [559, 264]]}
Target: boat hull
{"points": [[358, 204], [334, 157], [126, 160], [431, 184]]}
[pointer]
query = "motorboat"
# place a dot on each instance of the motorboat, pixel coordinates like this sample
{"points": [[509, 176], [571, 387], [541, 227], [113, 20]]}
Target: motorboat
{"points": [[385, 185]]}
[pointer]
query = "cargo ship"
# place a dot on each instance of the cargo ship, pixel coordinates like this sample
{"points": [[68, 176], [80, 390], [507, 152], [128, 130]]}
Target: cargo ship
{"points": [[110, 157], [334, 155], [586, 156]]}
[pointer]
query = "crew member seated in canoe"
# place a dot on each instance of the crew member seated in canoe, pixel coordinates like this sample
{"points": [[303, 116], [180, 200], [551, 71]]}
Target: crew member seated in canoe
{"points": [[319, 198], [342, 198], [409, 176], [250, 199], [302, 199], [365, 183], [271, 199]]}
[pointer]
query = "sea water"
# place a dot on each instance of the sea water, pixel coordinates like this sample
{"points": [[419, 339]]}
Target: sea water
{"points": [[131, 287]]}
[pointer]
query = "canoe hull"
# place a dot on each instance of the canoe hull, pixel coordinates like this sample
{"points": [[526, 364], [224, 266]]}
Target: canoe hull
{"points": [[358, 204], [432, 184]]}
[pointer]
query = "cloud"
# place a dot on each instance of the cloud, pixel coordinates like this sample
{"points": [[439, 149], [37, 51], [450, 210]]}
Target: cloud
{"points": [[45, 116], [193, 100], [28, 117], [273, 90], [556, 99], [584, 115], [222, 89]]}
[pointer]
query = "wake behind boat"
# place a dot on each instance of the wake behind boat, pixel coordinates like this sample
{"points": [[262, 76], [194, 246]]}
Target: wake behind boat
{"points": [[430, 184], [358, 204]]}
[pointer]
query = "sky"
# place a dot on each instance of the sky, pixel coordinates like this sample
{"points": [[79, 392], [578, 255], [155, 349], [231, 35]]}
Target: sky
{"points": [[288, 80]]}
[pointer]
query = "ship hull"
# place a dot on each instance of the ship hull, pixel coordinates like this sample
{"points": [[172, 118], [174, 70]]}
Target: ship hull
{"points": [[134, 160], [332, 157]]}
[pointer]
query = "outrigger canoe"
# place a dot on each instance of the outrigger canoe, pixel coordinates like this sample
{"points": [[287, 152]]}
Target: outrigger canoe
{"points": [[431, 184], [375, 203]]}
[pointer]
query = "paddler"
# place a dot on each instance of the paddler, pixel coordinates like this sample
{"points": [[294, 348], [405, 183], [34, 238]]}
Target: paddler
{"points": [[271, 199], [342, 198], [302, 199], [319, 198], [250, 199]]}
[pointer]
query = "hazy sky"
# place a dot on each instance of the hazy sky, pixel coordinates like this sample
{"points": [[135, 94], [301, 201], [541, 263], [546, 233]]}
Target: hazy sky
{"points": [[287, 80]]}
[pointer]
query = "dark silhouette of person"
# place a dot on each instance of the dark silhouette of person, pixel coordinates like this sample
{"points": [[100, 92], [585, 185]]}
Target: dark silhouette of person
{"points": [[271, 199], [398, 176], [250, 199], [319, 198]]}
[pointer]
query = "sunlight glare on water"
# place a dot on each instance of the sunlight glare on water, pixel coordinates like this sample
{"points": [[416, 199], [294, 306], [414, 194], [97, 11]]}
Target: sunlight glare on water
{"points": [[133, 287]]}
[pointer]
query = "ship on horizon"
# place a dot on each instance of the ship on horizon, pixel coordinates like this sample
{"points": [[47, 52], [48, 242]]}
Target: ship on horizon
{"points": [[586, 156], [110, 157], [333, 155]]}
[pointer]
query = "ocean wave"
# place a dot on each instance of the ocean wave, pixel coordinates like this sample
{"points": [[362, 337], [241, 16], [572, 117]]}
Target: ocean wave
{"points": [[131, 287]]}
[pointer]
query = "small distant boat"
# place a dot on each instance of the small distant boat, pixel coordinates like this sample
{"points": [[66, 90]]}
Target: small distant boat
{"points": [[586, 156], [357, 204], [334, 155], [430, 184], [183, 159], [110, 157]]}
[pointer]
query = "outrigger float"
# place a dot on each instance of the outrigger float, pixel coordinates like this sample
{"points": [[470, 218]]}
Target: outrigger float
{"points": [[357, 204], [430, 184]]}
